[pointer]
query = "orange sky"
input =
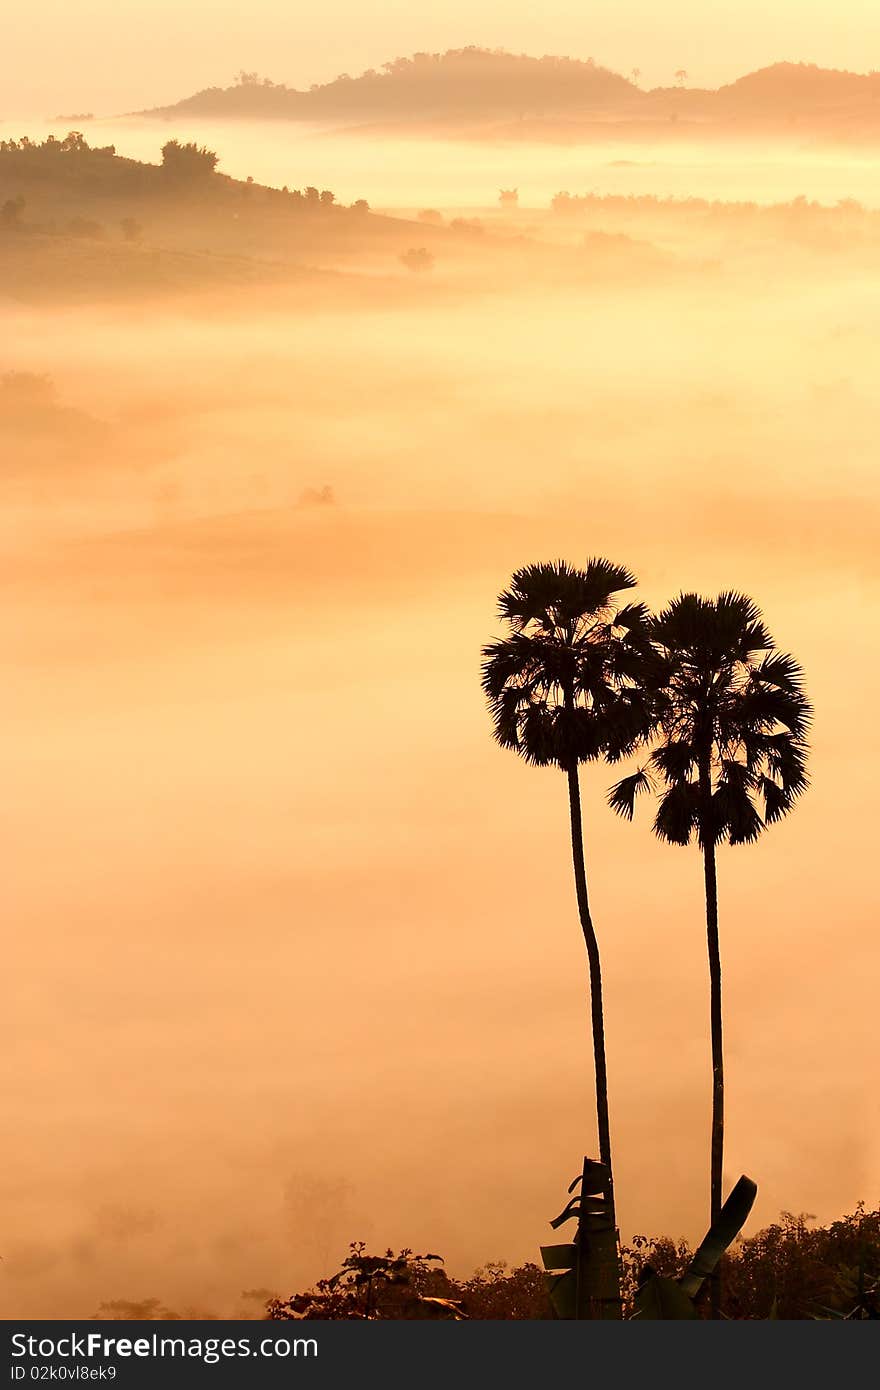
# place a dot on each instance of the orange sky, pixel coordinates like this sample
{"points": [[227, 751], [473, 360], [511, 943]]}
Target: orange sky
{"points": [[111, 55]]}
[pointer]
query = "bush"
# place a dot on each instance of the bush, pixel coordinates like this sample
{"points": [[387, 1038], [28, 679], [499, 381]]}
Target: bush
{"points": [[190, 162], [417, 258]]}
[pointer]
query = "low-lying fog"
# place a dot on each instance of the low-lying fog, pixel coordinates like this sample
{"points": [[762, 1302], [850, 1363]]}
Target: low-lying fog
{"points": [[432, 171], [293, 948]]}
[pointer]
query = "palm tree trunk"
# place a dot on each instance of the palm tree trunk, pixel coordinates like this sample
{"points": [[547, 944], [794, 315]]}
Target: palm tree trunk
{"points": [[596, 1012], [598, 1266], [716, 1159], [717, 1156]]}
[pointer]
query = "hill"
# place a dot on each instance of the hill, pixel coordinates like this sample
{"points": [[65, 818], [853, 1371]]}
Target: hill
{"points": [[473, 85], [459, 84], [81, 222], [77, 220]]}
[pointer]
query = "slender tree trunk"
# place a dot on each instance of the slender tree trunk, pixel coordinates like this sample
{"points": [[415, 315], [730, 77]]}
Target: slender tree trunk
{"points": [[716, 1160], [596, 1013], [716, 1029]]}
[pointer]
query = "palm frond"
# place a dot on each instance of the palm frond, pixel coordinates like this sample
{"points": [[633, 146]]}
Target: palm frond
{"points": [[734, 815], [675, 760], [677, 817], [622, 796]]}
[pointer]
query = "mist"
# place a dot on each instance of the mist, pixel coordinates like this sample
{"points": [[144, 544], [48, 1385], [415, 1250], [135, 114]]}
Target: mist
{"points": [[293, 948]]}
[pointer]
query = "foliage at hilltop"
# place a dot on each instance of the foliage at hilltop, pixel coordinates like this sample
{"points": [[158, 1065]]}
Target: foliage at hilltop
{"points": [[72, 165]]}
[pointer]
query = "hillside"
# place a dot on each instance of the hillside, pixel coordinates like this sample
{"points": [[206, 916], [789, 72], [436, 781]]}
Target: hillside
{"points": [[471, 85], [77, 220]]}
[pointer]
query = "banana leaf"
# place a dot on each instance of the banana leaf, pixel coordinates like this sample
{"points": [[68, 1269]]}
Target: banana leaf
{"points": [[558, 1257], [562, 1292], [660, 1297], [583, 1277], [724, 1229]]}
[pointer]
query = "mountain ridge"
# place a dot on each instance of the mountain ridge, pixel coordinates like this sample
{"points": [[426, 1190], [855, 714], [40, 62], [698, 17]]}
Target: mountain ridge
{"points": [[474, 84]]}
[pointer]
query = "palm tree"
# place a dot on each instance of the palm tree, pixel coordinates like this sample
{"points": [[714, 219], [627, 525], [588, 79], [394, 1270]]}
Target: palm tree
{"points": [[563, 689], [731, 723], [681, 76]]}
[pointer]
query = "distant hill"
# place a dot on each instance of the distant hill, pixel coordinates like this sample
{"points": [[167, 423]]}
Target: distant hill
{"points": [[473, 85], [461, 83]]}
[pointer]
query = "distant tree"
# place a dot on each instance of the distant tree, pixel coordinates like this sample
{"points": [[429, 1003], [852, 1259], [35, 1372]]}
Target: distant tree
{"points": [[312, 195], [681, 76], [360, 205], [10, 213], [131, 229], [190, 163], [432, 216], [635, 75], [317, 496], [417, 258], [327, 197], [508, 196]]}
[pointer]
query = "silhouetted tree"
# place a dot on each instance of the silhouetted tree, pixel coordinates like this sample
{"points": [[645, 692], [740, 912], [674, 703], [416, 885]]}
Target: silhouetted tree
{"points": [[563, 689], [731, 719], [188, 162], [131, 228], [417, 258], [681, 76], [10, 212], [372, 1288], [509, 196]]}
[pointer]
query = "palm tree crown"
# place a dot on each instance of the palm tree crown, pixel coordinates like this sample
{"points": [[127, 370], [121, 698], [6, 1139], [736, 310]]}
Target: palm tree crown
{"points": [[732, 720], [564, 686]]}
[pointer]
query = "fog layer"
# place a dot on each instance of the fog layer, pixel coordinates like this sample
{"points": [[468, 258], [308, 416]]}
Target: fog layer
{"points": [[292, 948]]}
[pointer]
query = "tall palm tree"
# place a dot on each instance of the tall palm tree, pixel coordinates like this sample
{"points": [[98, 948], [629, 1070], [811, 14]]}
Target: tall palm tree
{"points": [[731, 724], [563, 689]]}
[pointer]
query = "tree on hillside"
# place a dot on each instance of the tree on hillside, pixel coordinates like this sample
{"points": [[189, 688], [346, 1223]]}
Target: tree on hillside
{"points": [[563, 689], [732, 721], [190, 162], [10, 212], [681, 77]]}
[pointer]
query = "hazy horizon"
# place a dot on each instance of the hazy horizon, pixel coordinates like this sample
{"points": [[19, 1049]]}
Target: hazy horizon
{"points": [[163, 52]]}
